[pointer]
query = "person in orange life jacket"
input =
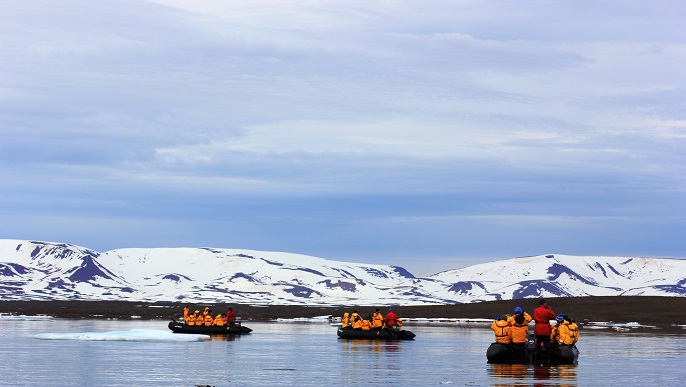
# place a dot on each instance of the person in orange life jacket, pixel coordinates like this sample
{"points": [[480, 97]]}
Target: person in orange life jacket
{"points": [[230, 317], [519, 324], [391, 318], [191, 318], [542, 315], [199, 319], [186, 314], [345, 321], [560, 332], [365, 324], [355, 320], [502, 330], [219, 320], [573, 329], [377, 320], [207, 318]]}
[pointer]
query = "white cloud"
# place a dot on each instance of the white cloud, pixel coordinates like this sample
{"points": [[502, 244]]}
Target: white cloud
{"points": [[488, 103]]}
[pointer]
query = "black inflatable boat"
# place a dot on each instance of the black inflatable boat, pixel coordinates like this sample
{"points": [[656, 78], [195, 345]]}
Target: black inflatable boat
{"points": [[382, 334], [530, 354], [233, 329]]}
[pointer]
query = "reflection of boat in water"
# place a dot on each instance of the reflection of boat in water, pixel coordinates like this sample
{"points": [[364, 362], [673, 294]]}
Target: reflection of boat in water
{"points": [[233, 329], [381, 334], [530, 354], [562, 375]]}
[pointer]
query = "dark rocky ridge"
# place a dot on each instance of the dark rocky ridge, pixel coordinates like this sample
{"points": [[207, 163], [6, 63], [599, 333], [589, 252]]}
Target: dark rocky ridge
{"points": [[664, 312]]}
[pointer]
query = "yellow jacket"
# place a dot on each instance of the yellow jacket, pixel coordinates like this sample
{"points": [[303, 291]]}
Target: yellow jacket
{"points": [[219, 320], [344, 320], [561, 334], [503, 333], [356, 320], [574, 332], [520, 331], [377, 320]]}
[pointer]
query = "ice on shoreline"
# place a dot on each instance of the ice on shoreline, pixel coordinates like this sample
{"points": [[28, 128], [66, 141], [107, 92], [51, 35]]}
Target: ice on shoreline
{"points": [[22, 317], [151, 335]]}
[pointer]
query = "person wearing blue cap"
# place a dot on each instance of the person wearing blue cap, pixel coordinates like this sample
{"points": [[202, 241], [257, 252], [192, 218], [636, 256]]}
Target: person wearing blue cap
{"points": [[501, 328], [561, 334], [519, 324]]}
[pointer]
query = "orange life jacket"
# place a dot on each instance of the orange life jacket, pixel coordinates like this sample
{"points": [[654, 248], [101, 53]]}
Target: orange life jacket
{"points": [[219, 320], [574, 332], [503, 333], [356, 320], [208, 320], [365, 325], [344, 320], [377, 321]]}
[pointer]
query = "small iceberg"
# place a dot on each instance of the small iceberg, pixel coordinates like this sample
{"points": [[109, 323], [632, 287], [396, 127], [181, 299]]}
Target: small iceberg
{"points": [[22, 317], [153, 335]]}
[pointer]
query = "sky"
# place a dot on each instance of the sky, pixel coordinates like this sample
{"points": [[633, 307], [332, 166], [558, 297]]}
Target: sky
{"points": [[431, 135]]}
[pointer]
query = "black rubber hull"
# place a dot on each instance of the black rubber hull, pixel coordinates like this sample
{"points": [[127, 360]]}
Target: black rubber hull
{"points": [[510, 354], [375, 335], [178, 327]]}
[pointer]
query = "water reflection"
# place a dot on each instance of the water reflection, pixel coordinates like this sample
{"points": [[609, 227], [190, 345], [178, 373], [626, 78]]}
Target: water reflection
{"points": [[370, 345], [519, 375], [222, 338]]}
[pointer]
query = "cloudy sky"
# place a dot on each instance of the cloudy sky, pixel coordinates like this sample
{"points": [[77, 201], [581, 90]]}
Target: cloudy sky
{"points": [[427, 134]]}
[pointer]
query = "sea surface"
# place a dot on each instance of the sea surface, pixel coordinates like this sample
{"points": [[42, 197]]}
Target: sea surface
{"points": [[145, 353]]}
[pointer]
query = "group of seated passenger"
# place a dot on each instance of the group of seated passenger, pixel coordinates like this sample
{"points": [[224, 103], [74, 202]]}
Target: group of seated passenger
{"points": [[376, 321], [205, 318], [514, 329]]}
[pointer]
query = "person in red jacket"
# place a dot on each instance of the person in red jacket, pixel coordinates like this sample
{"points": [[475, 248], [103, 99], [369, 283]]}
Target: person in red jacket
{"points": [[230, 317], [391, 319], [542, 316]]}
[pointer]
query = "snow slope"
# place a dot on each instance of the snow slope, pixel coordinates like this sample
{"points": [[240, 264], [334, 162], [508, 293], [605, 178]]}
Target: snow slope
{"points": [[31, 270]]}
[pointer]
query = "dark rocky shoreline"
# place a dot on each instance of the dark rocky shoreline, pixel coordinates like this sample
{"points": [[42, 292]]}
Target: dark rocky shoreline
{"points": [[663, 312]]}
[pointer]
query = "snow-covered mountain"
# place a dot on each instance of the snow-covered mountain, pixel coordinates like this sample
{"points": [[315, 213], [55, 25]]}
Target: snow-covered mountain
{"points": [[32, 270]]}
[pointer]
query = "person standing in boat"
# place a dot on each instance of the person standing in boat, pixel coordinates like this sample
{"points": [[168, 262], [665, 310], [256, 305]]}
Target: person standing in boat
{"points": [[391, 319], [542, 316], [519, 324], [377, 320], [501, 328], [230, 317]]}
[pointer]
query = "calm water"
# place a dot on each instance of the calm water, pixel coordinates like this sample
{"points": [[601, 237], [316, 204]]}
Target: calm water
{"points": [[311, 354]]}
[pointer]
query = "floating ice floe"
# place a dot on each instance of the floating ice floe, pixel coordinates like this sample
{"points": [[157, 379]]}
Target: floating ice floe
{"points": [[619, 327], [131, 335], [315, 319], [24, 318], [480, 322]]}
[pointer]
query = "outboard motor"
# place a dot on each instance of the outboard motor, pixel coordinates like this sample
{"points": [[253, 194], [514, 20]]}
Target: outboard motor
{"points": [[531, 349]]}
